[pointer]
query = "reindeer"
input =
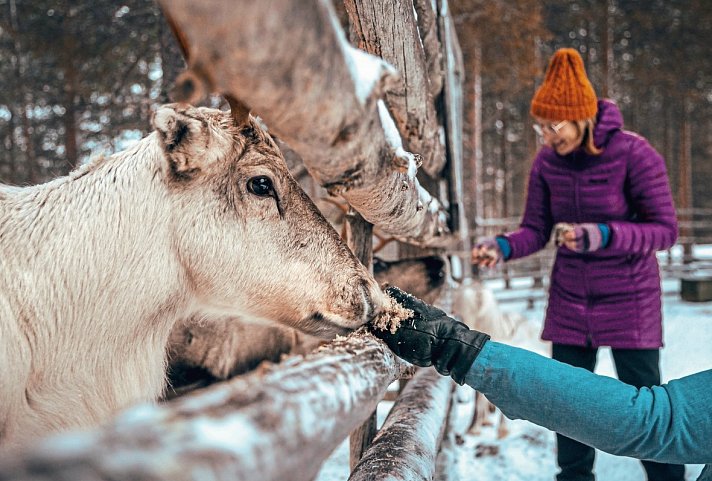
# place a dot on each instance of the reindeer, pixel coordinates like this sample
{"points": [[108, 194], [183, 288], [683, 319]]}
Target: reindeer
{"points": [[200, 218], [202, 352]]}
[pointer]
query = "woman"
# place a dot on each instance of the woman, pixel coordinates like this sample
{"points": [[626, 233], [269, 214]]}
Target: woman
{"points": [[606, 192], [666, 424]]}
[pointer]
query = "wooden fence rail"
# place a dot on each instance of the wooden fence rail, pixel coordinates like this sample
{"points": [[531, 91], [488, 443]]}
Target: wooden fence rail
{"points": [[274, 424], [408, 443]]}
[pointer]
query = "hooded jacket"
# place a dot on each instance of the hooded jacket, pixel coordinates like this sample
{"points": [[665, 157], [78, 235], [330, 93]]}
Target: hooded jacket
{"points": [[610, 297]]}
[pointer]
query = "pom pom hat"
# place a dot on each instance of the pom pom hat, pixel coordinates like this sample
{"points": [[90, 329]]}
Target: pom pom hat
{"points": [[566, 93]]}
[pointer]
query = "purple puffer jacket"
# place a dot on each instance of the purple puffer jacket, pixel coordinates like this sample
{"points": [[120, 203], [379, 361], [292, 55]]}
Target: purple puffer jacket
{"points": [[610, 297]]}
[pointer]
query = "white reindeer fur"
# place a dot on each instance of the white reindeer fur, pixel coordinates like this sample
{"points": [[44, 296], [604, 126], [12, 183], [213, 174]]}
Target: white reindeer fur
{"points": [[98, 266]]}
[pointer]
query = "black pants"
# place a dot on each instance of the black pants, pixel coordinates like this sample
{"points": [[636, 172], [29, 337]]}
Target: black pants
{"points": [[637, 367]]}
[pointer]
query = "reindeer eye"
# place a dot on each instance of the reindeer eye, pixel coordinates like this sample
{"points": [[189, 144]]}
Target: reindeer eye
{"points": [[261, 186]]}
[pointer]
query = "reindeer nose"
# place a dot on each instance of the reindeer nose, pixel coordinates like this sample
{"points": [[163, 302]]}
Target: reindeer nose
{"points": [[375, 300], [436, 272]]}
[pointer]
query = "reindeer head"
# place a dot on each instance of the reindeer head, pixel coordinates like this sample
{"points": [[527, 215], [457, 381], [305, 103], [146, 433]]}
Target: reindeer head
{"points": [[252, 244]]}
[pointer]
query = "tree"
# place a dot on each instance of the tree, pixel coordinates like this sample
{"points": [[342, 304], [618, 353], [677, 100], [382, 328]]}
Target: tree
{"points": [[77, 67], [499, 43]]}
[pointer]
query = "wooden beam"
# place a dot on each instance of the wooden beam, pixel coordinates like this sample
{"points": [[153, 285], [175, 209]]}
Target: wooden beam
{"points": [[290, 63], [377, 24], [407, 444], [275, 424]]}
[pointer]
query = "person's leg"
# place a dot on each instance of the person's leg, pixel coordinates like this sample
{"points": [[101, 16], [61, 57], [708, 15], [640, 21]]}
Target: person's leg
{"points": [[574, 459], [641, 368]]}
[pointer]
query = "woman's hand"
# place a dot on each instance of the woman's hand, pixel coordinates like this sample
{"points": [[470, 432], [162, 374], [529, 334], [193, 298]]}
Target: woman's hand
{"points": [[580, 237], [486, 253]]}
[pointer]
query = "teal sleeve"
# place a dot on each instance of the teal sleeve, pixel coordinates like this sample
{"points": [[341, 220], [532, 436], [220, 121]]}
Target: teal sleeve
{"points": [[504, 246], [671, 423], [605, 234]]}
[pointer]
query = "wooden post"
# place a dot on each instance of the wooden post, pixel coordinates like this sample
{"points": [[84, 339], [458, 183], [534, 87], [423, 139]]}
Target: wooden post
{"points": [[359, 239], [375, 25], [448, 444]]}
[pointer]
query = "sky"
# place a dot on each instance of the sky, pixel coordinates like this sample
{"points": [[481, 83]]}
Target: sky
{"points": [[526, 453]]}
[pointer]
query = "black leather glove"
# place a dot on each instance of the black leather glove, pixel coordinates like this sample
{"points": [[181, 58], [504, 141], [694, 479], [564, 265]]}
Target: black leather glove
{"points": [[431, 337]]}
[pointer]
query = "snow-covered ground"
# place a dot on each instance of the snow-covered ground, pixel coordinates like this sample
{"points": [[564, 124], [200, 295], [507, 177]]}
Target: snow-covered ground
{"points": [[527, 452]]}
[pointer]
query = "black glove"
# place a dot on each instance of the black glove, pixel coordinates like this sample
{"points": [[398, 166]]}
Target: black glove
{"points": [[431, 337]]}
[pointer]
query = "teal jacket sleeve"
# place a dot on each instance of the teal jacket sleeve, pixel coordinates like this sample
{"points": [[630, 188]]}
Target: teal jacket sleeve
{"points": [[671, 423]]}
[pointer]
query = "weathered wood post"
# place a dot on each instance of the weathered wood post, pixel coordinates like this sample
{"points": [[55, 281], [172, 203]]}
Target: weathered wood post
{"points": [[406, 447], [360, 241]]}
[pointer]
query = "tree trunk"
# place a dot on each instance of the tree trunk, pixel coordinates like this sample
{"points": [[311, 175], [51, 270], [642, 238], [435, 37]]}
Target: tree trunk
{"points": [[69, 119], [19, 71], [171, 60], [477, 134], [606, 50], [30, 158], [10, 153], [685, 181], [360, 235], [506, 191], [323, 101]]}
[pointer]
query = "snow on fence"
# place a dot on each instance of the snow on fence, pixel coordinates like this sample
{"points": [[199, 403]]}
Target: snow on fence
{"points": [[343, 111], [407, 445], [278, 423]]}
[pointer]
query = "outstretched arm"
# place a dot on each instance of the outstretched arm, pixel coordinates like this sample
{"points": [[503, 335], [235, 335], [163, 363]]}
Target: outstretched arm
{"points": [[670, 423]]}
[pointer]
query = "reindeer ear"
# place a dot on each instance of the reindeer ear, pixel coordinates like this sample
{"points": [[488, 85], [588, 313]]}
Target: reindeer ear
{"points": [[184, 136]]}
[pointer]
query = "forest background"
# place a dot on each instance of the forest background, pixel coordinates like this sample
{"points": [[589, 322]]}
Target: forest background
{"points": [[80, 78]]}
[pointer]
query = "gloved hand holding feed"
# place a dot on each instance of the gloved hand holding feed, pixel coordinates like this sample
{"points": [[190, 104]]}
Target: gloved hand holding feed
{"points": [[431, 337]]}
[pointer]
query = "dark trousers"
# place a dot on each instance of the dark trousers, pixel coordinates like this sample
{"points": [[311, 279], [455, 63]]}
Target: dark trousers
{"points": [[637, 367]]}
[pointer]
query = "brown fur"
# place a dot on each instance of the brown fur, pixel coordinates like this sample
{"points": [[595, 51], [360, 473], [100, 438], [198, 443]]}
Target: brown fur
{"points": [[202, 351], [423, 277]]}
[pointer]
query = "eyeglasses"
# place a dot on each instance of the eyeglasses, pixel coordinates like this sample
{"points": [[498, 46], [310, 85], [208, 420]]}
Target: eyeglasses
{"points": [[552, 129]]}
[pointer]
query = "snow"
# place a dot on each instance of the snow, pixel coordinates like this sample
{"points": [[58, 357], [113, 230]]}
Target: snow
{"points": [[366, 71], [527, 452], [395, 142]]}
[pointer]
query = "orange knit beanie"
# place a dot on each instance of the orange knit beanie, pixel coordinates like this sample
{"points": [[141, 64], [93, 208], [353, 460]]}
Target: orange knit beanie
{"points": [[566, 93]]}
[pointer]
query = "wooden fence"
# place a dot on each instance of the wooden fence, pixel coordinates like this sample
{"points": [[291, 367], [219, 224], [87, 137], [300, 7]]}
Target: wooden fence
{"points": [[351, 118]]}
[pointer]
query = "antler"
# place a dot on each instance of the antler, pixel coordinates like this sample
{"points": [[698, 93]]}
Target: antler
{"points": [[192, 85], [239, 111]]}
